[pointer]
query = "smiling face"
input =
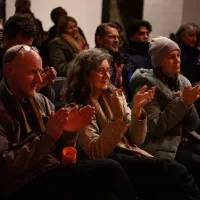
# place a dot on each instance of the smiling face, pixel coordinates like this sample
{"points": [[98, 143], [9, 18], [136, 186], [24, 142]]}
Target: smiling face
{"points": [[189, 37], [23, 74], [99, 79], [110, 41], [142, 35], [171, 64], [72, 29]]}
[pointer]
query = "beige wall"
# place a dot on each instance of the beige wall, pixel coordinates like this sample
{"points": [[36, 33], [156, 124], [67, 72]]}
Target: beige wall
{"points": [[191, 11], [164, 15]]}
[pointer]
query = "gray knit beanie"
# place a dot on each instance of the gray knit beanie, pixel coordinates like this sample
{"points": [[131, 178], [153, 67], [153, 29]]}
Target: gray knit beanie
{"points": [[161, 47]]}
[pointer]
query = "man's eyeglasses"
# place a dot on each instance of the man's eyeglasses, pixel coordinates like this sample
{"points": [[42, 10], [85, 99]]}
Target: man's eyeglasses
{"points": [[26, 48]]}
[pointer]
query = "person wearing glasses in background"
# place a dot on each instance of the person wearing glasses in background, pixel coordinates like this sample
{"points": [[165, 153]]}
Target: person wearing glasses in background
{"points": [[30, 149], [20, 29]]}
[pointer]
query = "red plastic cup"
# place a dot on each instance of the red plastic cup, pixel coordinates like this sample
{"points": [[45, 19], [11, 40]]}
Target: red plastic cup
{"points": [[68, 155]]}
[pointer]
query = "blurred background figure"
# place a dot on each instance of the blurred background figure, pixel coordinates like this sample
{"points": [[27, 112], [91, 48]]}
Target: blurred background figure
{"points": [[56, 14], [24, 6], [122, 41], [137, 50], [187, 37]]}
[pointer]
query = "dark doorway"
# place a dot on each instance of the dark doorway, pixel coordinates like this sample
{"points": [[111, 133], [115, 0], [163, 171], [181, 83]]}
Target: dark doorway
{"points": [[3, 10], [129, 10]]}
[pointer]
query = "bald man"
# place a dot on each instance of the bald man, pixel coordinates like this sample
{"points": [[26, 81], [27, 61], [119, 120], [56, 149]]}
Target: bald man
{"points": [[30, 149]]}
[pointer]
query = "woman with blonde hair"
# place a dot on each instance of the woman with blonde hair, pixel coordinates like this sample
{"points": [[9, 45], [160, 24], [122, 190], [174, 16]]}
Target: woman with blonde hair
{"points": [[66, 45]]}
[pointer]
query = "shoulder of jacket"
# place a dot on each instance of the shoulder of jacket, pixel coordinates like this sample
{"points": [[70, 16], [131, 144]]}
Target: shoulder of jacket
{"points": [[58, 41], [184, 79], [43, 102]]}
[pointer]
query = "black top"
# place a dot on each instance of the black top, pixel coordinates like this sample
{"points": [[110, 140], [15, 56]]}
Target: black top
{"points": [[2, 52]]}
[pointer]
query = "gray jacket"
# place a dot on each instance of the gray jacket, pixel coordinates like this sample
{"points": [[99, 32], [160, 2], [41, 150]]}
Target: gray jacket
{"points": [[167, 114]]}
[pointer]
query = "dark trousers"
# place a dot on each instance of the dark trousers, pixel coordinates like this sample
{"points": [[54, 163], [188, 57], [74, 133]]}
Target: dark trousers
{"points": [[188, 154], [158, 178], [97, 179]]}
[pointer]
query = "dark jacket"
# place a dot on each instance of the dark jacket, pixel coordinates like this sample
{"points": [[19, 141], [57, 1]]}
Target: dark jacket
{"points": [[60, 53], [21, 160], [2, 52], [190, 63], [138, 57]]}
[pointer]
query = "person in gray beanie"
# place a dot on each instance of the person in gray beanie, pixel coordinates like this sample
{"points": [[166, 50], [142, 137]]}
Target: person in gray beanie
{"points": [[159, 48], [172, 117]]}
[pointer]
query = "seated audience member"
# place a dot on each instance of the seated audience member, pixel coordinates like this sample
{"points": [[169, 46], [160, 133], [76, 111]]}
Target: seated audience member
{"points": [[137, 50], [56, 14], [115, 130], [30, 148], [171, 115], [122, 41], [24, 7], [187, 37], [107, 37], [68, 43], [20, 29]]}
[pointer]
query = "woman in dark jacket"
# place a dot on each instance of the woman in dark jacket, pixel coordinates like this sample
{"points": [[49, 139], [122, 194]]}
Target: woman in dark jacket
{"points": [[68, 43], [187, 38]]}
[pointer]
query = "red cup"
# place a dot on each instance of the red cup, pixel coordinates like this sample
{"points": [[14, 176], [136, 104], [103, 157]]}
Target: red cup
{"points": [[69, 155]]}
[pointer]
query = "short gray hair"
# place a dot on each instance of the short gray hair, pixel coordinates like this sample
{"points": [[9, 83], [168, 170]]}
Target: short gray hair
{"points": [[10, 54], [15, 51]]}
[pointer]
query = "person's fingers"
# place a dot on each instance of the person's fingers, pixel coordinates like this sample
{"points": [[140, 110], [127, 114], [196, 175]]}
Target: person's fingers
{"points": [[61, 114], [154, 90], [121, 67], [142, 103], [87, 111], [51, 115], [114, 94], [73, 111], [150, 94], [142, 90], [196, 89]]}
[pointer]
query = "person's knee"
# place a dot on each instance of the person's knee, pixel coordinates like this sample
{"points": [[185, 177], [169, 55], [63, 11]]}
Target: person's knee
{"points": [[175, 169], [112, 165]]}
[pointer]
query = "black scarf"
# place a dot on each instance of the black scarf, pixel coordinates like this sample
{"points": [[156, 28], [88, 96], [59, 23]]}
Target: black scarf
{"points": [[171, 82]]}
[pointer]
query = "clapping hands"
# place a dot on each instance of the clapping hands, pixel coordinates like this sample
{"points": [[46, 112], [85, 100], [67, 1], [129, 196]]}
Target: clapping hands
{"points": [[142, 97], [70, 121], [190, 94], [48, 75], [77, 119], [119, 77]]}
